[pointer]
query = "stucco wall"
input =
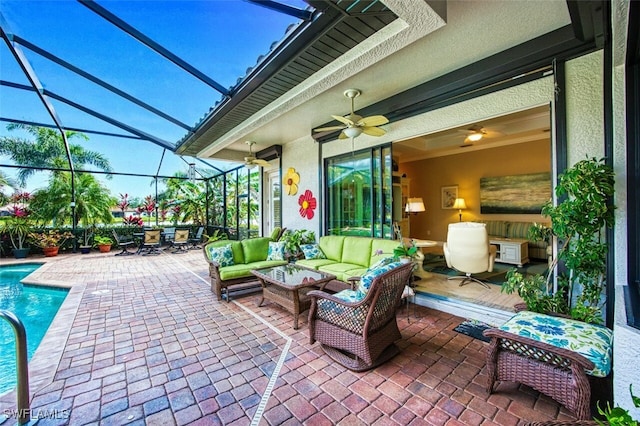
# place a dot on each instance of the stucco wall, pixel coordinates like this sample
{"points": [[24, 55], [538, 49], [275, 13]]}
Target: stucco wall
{"points": [[626, 339]]}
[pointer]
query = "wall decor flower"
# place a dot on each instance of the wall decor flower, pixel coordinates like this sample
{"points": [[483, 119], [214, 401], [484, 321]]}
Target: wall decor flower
{"points": [[307, 204], [291, 181]]}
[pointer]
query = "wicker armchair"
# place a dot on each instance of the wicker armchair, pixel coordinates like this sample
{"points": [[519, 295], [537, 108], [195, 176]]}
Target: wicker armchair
{"points": [[360, 335]]}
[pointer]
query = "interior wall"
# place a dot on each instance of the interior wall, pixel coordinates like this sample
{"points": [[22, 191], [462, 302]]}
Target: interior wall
{"points": [[465, 170]]}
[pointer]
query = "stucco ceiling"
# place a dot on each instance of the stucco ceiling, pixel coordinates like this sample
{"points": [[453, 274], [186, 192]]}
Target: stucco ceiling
{"points": [[415, 48]]}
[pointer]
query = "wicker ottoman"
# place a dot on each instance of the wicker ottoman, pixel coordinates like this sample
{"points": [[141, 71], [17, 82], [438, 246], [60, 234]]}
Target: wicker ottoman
{"points": [[552, 355]]}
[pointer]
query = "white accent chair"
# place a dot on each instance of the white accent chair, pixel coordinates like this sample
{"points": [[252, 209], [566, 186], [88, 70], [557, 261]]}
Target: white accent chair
{"points": [[467, 250]]}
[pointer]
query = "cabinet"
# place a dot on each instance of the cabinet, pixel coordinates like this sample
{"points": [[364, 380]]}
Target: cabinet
{"points": [[511, 250], [400, 197]]}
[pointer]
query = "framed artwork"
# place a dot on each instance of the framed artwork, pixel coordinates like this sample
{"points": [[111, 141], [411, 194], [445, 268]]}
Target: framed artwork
{"points": [[517, 194], [449, 195]]}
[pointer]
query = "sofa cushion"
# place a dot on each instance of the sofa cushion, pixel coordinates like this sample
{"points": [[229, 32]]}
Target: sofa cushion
{"points": [[338, 268], [236, 248], [331, 246], [314, 263], [381, 249], [244, 269], [312, 251], [367, 279], [356, 250], [222, 255], [276, 251], [497, 228], [519, 229], [255, 249], [594, 342]]}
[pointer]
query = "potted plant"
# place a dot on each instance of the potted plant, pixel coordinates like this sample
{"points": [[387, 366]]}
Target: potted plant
{"points": [[50, 240], [292, 241], [577, 223], [85, 247], [103, 243], [406, 251], [18, 226]]}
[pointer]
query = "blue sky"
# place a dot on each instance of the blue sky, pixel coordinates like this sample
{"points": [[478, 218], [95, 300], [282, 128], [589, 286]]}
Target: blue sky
{"points": [[221, 38]]}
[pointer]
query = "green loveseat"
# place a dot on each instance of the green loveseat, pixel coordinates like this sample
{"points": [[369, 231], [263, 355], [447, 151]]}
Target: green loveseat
{"points": [[248, 254], [349, 256]]}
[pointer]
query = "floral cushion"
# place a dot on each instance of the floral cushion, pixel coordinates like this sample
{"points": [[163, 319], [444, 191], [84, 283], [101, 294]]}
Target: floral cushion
{"points": [[594, 342], [351, 296], [375, 271], [276, 251], [223, 255], [312, 251]]}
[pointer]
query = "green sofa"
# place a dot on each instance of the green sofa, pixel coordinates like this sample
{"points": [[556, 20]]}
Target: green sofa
{"points": [[349, 256], [248, 254]]}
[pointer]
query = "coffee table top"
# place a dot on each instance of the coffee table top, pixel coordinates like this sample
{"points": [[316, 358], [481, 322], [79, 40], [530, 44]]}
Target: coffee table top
{"points": [[292, 276]]}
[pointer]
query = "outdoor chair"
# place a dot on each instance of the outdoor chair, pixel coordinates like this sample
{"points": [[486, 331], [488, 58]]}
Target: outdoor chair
{"points": [[123, 242], [197, 239], [180, 241], [467, 250], [360, 334], [168, 234], [151, 242]]}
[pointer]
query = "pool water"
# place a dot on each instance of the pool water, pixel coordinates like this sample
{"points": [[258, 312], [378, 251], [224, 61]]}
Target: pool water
{"points": [[35, 306]]}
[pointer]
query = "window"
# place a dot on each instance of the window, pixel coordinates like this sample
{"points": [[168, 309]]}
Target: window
{"points": [[358, 188]]}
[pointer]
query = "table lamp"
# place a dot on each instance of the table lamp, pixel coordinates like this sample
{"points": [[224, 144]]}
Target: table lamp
{"points": [[460, 205]]}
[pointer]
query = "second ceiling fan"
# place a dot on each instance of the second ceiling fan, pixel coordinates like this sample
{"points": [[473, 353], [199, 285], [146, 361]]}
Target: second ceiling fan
{"points": [[353, 125]]}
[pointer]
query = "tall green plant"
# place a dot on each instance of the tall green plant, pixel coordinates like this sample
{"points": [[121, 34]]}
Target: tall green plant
{"points": [[578, 222]]}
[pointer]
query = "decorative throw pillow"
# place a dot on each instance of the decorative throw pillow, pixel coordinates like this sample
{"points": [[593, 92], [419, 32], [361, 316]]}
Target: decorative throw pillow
{"points": [[276, 251], [367, 278], [312, 251], [223, 255]]}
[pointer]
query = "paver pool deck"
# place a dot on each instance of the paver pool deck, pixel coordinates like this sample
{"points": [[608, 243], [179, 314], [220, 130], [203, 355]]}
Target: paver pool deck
{"points": [[143, 340]]}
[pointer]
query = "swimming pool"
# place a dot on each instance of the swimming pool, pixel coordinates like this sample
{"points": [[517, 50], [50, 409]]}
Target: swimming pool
{"points": [[36, 306]]}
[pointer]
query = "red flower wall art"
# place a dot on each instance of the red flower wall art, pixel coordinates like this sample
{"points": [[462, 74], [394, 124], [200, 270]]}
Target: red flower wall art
{"points": [[308, 204]]}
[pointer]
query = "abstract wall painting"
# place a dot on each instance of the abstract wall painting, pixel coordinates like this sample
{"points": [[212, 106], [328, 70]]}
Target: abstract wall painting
{"points": [[516, 194]]}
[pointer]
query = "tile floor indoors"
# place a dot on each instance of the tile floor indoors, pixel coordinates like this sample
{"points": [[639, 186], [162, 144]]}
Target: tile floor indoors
{"points": [[142, 340]]}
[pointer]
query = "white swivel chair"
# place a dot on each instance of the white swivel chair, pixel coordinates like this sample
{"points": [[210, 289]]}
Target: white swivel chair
{"points": [[468, 250]]}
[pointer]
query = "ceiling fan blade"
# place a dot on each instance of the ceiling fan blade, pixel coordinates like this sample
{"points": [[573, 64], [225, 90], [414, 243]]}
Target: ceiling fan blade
{"points": [[342, 135], [372, 121], [260, 162], [328, 129], [344, 120], [373, 131]]}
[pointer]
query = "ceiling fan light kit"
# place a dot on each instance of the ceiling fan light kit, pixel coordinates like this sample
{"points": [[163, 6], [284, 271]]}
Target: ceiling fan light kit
{"points": [[353, 125]]}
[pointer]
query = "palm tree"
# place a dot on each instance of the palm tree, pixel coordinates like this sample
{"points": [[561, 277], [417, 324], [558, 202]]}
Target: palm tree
{"points": [[93, 201], [190, 196], [5, 182], [47, 151]]}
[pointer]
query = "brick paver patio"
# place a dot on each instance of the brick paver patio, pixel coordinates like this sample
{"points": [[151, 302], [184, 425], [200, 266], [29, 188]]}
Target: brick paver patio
{"points": [[142, 340]]}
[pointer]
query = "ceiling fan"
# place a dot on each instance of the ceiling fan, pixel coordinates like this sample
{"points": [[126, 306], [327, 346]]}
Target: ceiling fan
{"points": [[251, 159], [477, 132], [353, 125]]}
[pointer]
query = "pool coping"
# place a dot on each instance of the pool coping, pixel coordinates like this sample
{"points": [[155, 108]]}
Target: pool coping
{"points": [[45, 360]]}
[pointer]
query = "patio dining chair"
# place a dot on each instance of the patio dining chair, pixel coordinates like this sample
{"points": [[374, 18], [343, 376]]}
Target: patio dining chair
{"points": [[197, 239], [359, 331], [123, 242], [151, 242], [180, 241]]}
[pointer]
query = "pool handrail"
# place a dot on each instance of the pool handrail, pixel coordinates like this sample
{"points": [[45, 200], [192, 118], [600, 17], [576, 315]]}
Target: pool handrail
{"points": [[22, 369]]}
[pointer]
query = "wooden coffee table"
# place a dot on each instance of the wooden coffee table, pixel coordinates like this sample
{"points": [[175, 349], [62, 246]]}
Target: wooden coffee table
{"points": [[288, 285]]}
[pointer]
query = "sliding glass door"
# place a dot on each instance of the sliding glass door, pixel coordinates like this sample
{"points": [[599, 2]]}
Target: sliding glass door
{"points": [[359, 197]]}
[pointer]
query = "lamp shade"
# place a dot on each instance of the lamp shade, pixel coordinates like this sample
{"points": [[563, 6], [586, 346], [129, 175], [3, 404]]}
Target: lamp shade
{"points": [[460, 204], [414, 205]]}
